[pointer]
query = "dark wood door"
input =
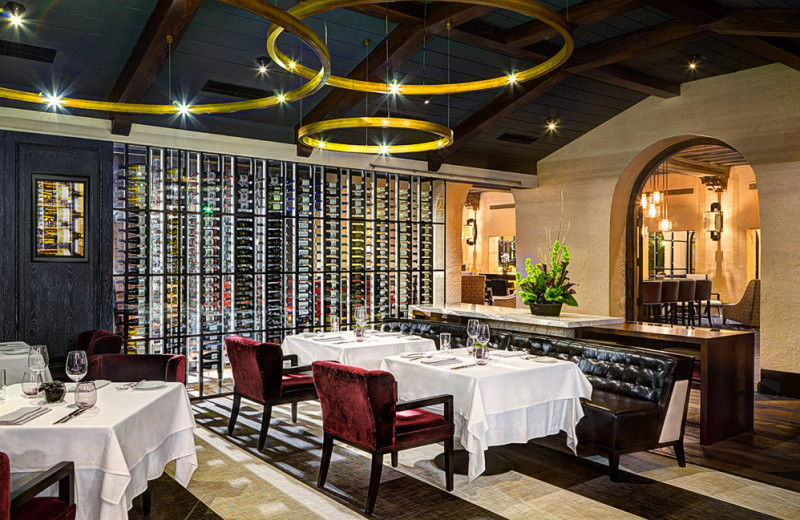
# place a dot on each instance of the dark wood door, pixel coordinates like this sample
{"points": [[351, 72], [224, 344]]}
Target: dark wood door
{"points": [[52, 301]]}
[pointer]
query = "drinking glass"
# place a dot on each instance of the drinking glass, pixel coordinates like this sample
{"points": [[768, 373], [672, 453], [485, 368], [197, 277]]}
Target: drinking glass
{"points": [[85, 394], [470, 344], [335, 323], [77, 364], [37, 358], [483, 335], [31, 381], [481, 355], [444, 341], [361, 322], [472, 328]]}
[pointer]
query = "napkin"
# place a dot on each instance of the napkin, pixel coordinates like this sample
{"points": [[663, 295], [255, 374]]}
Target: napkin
{"points": [[23, 415], [508, 353], [329, 338], [441, 361]]}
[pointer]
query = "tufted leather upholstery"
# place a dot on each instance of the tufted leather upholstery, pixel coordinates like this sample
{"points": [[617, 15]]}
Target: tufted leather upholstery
{"points": [[632, 386]]}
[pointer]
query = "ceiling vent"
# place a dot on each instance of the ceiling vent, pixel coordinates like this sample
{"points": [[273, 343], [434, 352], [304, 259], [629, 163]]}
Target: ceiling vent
{"points": [[517, 138], [233, 90], [27, 52]]}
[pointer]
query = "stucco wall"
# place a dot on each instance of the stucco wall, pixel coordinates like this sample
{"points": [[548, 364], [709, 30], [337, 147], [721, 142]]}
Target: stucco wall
{"points": [[757, 112], [456, 196]]}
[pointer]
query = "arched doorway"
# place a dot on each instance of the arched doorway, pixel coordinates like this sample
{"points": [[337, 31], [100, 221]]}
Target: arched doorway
{"points": [[678, 243]]}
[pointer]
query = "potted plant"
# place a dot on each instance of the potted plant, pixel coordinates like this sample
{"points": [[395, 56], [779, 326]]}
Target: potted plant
{"points": [[546, 287]]}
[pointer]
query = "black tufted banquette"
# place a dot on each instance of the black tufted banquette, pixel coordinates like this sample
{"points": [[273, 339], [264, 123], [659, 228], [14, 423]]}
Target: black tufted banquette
{"points": [[639, 400]]}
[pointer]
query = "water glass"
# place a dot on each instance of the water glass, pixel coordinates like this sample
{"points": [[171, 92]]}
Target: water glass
{"points": [[472, 328], [360, 332], [444, 341], [77, 364], [481, 355], [470, 344], [31, 381], [335, 323], [37, 358], [85, 394]]}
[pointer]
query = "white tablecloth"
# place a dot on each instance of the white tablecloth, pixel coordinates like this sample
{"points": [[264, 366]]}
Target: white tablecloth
{"points": [[117, 447], [14, 360], [366, 354], [510, 400]]}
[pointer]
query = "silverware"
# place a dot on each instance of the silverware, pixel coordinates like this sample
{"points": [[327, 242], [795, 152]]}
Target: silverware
{"points": [[129, 386], [73, 415], [69, 416], [464, 366]]}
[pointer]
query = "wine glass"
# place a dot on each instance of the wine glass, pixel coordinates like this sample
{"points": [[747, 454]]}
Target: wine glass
{"points": [[481, 355], [361, 322], [85, 394], [472, 328], [38, 359], [77, 364], [470, 345], [31, 381], [483, 335]]}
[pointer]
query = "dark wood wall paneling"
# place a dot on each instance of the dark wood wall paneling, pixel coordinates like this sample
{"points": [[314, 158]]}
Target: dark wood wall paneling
{"points": [[47, 302]]}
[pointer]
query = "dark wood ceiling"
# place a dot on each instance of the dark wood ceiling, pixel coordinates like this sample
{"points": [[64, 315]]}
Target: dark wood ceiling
{"points": [[625, 51]]}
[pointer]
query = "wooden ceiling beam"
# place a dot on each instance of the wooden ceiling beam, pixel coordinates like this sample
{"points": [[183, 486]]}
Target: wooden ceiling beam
{"points": [[149, 56], [403, 42], [634, 80], [698, 12], [697, 168], [775, 49], [583, 14], [760, 22]]}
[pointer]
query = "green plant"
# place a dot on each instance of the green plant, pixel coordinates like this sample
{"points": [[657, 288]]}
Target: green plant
{"points": [[547, 281]]}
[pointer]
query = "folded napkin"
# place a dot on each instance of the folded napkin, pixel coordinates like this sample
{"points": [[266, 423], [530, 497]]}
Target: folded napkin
{"points": [[23, 415], [442, 361], [507, 353], [329, 338]]}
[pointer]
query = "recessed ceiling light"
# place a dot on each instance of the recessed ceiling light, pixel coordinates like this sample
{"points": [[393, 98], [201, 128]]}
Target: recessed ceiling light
{"points": [[551, 124], [14, 12], [261, 64], [694, 61]]}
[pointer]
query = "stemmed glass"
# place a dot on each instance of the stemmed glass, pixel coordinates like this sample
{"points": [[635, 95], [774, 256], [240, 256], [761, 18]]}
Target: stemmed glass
{"points": [[38, 360], [472, 332], [77, 364], [483, 335], [482, 345]]}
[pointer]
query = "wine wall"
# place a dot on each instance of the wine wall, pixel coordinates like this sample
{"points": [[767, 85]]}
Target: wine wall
{"points": [[209, 245]]}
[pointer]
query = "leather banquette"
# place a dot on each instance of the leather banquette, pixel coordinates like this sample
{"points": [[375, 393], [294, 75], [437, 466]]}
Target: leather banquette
{"points": [[639, 400]]}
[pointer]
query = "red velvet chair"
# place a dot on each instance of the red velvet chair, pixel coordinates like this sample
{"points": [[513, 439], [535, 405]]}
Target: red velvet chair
{"points": [[23, 505], [259, 375], [135, 367], [359, 407], [98, 341]]}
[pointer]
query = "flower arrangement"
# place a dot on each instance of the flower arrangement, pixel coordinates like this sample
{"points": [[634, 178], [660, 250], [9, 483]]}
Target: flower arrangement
{"points": [[547, 281]]}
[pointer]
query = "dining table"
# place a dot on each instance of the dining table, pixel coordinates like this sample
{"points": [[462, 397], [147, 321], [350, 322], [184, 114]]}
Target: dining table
{"points": [[345, 348], [515, 397], [117, 446], [14, 360]]}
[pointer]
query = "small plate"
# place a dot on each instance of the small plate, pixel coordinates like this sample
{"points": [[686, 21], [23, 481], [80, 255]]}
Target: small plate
{"points": [[150, 385]]}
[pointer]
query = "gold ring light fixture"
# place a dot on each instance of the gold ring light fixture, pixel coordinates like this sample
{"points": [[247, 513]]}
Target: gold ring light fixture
{"points": [[277, 16], [527, 7], [444, 136]]}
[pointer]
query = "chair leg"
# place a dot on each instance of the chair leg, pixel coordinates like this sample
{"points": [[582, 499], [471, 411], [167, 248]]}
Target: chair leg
{"points": [[448, 464], [708, 312], [394, 459], [294, 411], [374, 481], [613, 466], [327, 449], [262, 437], [679, 453], [237, 401]]}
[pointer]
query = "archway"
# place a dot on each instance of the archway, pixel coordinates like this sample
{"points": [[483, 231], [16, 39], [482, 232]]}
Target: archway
{"points": [[701, 162]]}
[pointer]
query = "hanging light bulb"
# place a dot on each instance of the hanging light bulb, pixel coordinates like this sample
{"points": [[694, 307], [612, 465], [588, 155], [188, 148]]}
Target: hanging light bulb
{"points": [[644, 200], [665, 225], [657, 197], [652, 210]]}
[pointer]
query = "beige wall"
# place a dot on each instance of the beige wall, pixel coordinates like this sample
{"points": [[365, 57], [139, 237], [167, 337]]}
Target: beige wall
{"points": [[491, 222], [456, 196], [757, 112]]}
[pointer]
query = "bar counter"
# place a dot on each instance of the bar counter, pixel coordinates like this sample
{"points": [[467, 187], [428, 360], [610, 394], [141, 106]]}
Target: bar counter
{"points": [[519, 319]]}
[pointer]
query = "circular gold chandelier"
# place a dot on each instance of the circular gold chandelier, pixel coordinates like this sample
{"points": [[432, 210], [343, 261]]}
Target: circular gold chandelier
{"points": [[257, 7], [444, 136], [526, 7]]}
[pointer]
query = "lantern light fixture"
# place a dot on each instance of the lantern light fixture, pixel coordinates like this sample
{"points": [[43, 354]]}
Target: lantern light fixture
{"points": [[712, 221]]}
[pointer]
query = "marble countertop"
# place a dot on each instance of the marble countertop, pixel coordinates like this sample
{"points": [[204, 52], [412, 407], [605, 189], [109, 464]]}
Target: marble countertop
{"points": [[489, 312]]}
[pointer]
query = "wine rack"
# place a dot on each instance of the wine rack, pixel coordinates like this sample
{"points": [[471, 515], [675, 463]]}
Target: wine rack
{"points": [[209, 245]]}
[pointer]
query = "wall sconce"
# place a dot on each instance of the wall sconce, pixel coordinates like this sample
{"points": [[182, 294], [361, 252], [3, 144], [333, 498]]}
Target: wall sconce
{"points": [[470, 231], [712, 221]]}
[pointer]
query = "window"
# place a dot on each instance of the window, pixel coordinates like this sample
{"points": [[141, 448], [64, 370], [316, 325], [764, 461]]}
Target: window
{"points": [[671, 253]]}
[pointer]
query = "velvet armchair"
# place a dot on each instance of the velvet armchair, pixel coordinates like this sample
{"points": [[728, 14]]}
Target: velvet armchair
{"points": [[24, 506], [98, 341], [135, 367], [360, 408], [259, 375]]}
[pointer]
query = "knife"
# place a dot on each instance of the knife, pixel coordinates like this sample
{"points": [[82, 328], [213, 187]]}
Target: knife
{"points": [[69, 416], [463, 366], [73, 415]]}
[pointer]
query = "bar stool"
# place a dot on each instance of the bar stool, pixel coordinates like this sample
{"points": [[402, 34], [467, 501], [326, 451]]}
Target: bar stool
{"points": [[702, 293], [669, 299], [686, 299], [651, 299]]}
